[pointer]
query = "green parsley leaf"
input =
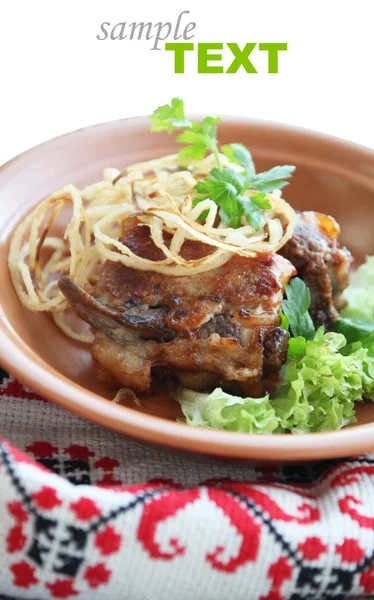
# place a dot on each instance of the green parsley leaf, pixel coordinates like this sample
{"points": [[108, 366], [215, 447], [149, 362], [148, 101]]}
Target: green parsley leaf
{"points": [[233, 181], [169, 117], [285, 322], [296, 307], [239, 154], [251, 211], [203, 215], [271, 180], [196, 149], [201, 137], [224, 187], [261, 201], [236, 179], [208, 126], [268, 181], [252, 206]]}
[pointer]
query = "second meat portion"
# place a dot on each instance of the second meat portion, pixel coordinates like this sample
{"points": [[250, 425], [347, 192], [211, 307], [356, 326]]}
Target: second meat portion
{"points": [[322, 262]]}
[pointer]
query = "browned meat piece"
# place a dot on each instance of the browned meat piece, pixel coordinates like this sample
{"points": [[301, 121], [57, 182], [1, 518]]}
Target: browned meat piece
{"points": [[321, 262], [206, 329], [275, 349]]}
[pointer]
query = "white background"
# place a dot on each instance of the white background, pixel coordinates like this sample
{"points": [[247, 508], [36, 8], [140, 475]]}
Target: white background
{"points": [[56, 76]]}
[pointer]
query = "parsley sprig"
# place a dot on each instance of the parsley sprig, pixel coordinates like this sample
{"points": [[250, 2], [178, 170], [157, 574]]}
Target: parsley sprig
{"points": [[225, 187], [296, 310]]}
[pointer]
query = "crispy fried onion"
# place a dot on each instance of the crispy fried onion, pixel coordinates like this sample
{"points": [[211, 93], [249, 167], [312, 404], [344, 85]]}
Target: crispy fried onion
{"points": [[35, 280], [160, 194]]}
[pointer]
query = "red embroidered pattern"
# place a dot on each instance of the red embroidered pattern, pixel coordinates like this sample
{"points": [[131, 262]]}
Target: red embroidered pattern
{"points": [[67, 541]]}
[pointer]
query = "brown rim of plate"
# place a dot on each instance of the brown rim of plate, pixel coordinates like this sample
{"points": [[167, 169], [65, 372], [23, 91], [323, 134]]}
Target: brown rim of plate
{"points": [[30, 369]]}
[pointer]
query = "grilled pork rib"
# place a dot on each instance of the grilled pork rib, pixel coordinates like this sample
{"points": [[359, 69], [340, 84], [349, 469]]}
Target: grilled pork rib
{"points": [[206, 329]]}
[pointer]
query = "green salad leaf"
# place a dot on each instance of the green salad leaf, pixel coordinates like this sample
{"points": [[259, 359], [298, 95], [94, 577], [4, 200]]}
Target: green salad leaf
{"points": [[285, 322], [360, 293], [223, 411], [320, 385], [353, 330]]}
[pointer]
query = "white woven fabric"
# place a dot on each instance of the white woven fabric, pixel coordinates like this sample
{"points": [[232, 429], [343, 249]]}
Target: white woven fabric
{"points": [[168, 526]]}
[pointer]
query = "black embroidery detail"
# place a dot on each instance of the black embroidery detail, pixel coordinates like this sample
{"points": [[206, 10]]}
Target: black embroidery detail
{"points": [[26, 498], [44, 536], [76, 537], [286, 546], [37, 552], [52, 464], [77, 471], [75, 540], [341, 580], [141, 499], [68, 564], [3, 376], [310, 577]]}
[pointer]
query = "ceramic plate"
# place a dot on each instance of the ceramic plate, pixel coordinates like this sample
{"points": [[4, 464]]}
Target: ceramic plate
{"points": [[332, 176]]}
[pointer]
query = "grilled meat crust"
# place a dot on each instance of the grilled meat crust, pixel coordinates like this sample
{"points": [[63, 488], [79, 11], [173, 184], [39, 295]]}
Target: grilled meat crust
{"points": [[184, 334], [321, 262], [206, 329], [240, 287]]}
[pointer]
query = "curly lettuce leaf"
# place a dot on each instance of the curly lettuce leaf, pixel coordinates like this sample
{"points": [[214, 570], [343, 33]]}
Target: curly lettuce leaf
{"points": [[320, 385], [360, 293], [321, 381], [223, 411], [363, 350]]}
